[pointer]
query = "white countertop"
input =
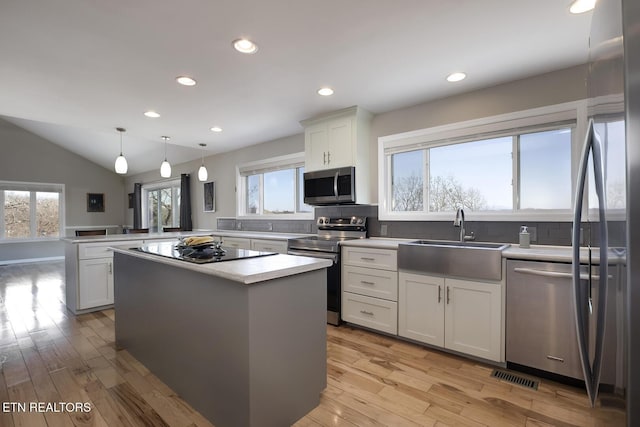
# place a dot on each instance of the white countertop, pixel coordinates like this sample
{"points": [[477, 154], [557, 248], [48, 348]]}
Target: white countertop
{"points": [[135, 236], [258, 234], [376, 242], [247, 271], [514, 251]]}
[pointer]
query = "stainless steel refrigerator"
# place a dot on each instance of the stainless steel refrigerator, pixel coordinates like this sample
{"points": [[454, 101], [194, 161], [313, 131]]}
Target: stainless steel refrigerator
{"points": [[607, 212]]}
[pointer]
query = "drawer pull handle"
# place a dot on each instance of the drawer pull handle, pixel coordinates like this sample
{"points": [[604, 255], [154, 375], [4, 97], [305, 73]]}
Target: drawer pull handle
{"points": [[439, 294], [367, 258], [364, 282], [368, 313], [557, 359], [110, 268]]}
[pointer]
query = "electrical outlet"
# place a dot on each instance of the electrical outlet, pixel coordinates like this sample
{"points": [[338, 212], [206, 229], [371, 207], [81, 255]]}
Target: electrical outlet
{"points": [[269, 226], [383, 230], [239, 225]]}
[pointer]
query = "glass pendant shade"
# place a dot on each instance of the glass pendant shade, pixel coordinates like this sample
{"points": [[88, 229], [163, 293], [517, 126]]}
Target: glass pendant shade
{"points": [[165, 169], [121, 165], [202, 173]]}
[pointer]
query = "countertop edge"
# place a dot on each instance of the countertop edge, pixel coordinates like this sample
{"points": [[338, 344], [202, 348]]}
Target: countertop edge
{"points": [[260, 269]]}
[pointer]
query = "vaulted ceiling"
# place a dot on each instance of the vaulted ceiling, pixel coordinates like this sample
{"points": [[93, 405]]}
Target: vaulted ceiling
{"points": [[72, 71]]}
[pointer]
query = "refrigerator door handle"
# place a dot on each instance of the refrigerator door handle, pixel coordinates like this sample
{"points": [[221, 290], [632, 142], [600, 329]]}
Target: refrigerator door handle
{"points": [[578, 293], [598, 163], [591, 371]]}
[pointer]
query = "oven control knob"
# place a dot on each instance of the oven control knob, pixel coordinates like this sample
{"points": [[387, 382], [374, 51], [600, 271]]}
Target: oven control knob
{"points": [[360, 221]]}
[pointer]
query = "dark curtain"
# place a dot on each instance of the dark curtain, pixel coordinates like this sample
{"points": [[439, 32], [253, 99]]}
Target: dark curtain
{"points": [[185, 203], [137, 205]]}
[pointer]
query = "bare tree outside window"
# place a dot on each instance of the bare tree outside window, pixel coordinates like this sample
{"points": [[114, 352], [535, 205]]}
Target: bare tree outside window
{"points": [[446, 194], [408, 194], [17, 219]]}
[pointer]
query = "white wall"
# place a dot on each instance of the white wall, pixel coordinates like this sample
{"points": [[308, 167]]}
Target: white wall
{"points": [[222, 170], [27, 157]]}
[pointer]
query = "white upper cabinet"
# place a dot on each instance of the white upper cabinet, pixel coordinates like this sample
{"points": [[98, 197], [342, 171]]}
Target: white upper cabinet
{"points": [[340, 139]]}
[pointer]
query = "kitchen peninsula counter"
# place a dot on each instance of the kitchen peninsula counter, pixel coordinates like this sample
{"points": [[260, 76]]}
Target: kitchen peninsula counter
{"points": [[242, 341]]}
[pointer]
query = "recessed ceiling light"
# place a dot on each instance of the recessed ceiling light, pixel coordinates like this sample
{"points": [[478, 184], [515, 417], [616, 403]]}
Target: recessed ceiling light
{"points": [[456, 77], [216, 129], [186, 81], [325, 91], [245, 46], [152, 114], [581, 6]]}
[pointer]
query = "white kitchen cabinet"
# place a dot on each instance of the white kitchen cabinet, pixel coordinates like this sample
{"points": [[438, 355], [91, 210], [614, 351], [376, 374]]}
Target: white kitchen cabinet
{"points": [[374, 313], [89, 274], [473, 318], [370, 288], [460, 315], [340, 139], [96, 278], [236, 242], [264, 245], [420, 308]]}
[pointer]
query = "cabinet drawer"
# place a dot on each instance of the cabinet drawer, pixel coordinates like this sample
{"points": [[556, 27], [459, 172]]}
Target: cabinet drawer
{"points": [[102, 249], [279, 246], [385, 259], [373, 313], [234, 242], [371, 282]]}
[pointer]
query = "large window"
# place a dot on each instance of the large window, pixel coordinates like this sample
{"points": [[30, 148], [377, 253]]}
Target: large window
{"points": [[272, 187], [161, 205], [513, 166], [30, 211]]}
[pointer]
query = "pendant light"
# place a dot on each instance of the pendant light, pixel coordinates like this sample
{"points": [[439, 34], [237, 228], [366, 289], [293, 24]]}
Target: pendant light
{"points": [[121, 163], [165, 167], [202, 172]]}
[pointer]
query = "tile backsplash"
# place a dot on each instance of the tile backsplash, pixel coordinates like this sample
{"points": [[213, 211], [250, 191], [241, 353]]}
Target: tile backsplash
{"points": [[542, 233]]}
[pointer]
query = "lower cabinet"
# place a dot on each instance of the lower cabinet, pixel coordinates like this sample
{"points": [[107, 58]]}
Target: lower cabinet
{"points": [[96, 277], [374, 313], [460, 315], [279, 246]]}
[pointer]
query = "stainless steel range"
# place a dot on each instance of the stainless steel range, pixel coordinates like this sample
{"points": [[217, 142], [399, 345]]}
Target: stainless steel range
{"points": [[326, 244]]}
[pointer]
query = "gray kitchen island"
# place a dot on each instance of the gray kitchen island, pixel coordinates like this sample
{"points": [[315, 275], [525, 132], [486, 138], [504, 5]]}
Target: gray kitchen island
{"points": [[243, 341]]}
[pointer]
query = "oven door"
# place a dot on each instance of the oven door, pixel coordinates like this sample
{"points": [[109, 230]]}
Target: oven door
{"points": [[334, 291]]}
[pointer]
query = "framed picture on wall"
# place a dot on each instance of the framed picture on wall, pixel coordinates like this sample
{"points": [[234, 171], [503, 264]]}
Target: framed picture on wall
{"points": [[209, 200], [95, 202]]}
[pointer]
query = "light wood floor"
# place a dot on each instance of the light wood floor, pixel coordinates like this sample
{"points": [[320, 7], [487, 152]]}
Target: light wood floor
{"points": [[49, 355]]}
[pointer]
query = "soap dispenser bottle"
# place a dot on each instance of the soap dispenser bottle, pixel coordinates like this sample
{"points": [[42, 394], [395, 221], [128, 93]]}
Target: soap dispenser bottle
{"points": [[524, 237]]}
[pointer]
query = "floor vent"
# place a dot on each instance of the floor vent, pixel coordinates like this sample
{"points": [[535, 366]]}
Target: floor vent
{"points": [[515, 379]]}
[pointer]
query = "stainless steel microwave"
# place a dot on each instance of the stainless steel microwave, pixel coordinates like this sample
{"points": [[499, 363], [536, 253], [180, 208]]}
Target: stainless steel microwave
{"points": [[330, 186]]}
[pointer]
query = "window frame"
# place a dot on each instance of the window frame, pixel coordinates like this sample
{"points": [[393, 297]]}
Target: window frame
{"points": [[289, 161], [33, 188], [155, 186], [570, 114]]}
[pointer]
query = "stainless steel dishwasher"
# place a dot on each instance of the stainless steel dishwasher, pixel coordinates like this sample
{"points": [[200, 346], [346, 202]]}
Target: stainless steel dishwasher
{"points": [[540, 323]]}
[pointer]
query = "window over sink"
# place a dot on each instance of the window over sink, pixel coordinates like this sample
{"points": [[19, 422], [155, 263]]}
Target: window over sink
{"points": [[272, 188], [515, 166]]}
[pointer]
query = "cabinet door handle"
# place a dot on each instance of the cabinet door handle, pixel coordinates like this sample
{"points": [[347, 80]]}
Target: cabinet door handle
{"points": [[368, 313], [448, 295], [324, 157], [110, 268], [328, 157], [364, 282], [439, 294]]}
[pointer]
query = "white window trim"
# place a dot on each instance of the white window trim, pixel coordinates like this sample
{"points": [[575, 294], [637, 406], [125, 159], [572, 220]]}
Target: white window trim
{"points": [[34, 186], [154, 186], [511, 123], [288, 161]]}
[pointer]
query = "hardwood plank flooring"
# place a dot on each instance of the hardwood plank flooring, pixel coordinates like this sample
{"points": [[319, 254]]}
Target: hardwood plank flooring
{"points": [[49, 355]]}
